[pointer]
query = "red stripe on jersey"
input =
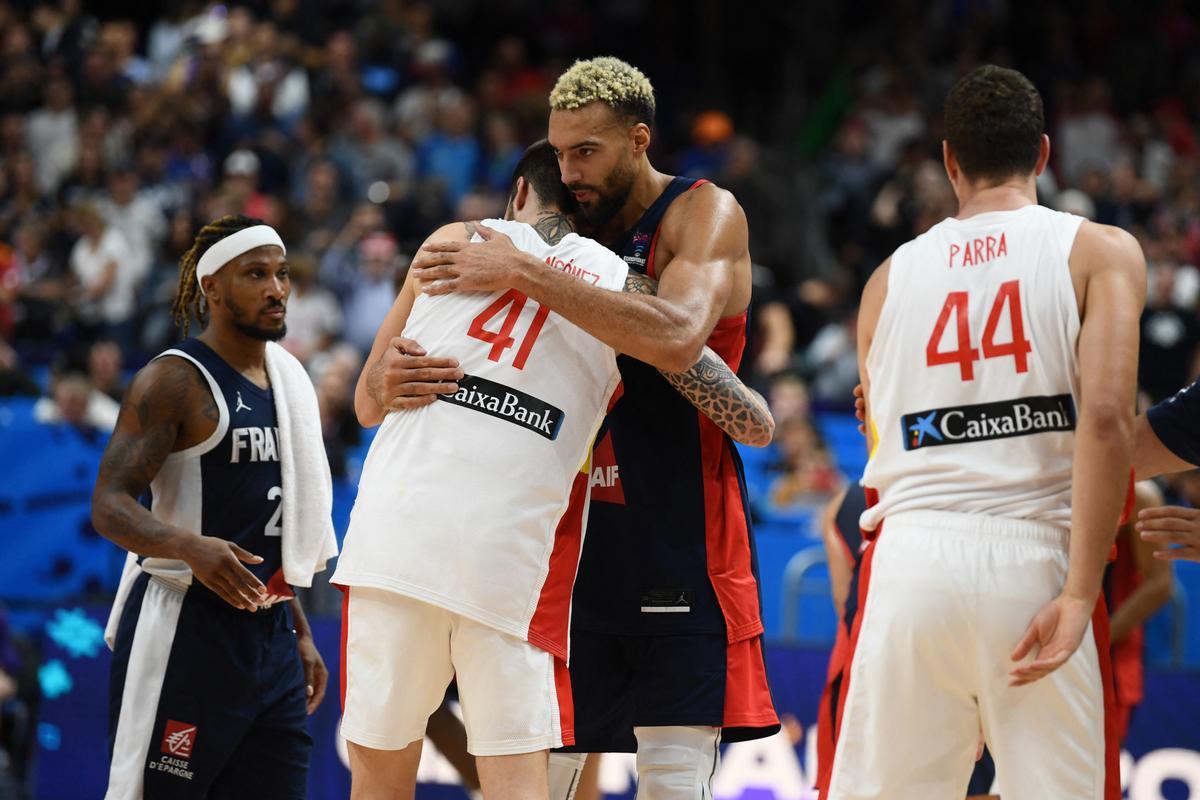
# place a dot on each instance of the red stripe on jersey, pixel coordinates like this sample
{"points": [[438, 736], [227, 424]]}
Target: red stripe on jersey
{"points": [[727, 535], [747, 697], [825, 769], [650, 271], [550, 625], [566, 702], [1112, 736], [345, 627]]}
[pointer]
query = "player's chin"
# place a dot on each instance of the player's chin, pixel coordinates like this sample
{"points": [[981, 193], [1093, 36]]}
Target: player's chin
{"points": [[270, 331]]}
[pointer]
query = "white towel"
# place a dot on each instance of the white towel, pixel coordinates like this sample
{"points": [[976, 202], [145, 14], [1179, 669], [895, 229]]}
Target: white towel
{"points": [[308, 539]]}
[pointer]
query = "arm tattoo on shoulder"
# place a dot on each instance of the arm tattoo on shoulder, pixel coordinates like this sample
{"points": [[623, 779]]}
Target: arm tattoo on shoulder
{"points": [[470, 226], [553, 227], [147, 430], [713, 388]]}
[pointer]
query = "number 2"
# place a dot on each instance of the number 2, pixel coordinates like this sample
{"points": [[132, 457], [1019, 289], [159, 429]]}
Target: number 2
{"points": [[273, 527], [502, 339], [964, 355]]}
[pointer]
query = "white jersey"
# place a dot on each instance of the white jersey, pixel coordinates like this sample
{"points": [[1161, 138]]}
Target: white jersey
{"points": [[459, 501], [974, 372]]}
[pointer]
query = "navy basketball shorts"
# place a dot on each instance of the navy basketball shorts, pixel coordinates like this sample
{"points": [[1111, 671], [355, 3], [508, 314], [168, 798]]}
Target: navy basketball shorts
{"points": [[206, 701], [619, 682]]}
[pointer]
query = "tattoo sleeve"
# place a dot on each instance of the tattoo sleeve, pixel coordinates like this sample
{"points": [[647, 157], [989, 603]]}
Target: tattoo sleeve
{"points": [[715, 389], [151, 419]]}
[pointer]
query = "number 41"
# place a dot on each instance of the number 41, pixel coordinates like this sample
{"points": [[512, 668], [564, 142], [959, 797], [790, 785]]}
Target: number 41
{"points": [[965, 356]]}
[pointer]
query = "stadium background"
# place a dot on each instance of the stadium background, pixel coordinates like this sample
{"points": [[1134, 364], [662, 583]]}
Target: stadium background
{"points": [[357, 127]]}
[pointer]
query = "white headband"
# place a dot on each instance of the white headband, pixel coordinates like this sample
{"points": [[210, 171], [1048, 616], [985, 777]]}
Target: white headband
{"points": [[234, 245]]}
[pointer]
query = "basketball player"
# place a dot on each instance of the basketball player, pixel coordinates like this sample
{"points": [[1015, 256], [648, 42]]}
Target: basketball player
{"points": [[475, 583], [666, 625], [1168, 440], [998, 354], [211, 677]]}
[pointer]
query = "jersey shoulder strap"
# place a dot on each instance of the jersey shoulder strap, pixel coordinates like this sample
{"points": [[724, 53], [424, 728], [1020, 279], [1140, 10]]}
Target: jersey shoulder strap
{"points": [[636, 246]]}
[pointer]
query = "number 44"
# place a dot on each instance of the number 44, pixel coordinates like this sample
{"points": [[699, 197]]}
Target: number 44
{"points": [[965, 356]]}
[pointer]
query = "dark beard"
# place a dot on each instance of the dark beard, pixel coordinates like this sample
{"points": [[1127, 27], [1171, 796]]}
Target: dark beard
{"points": [[607, 205], [262, 334]]}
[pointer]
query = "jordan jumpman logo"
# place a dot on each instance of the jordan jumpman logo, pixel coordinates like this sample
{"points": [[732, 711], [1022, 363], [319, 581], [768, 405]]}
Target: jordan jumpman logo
{"points": [[240, 404]]}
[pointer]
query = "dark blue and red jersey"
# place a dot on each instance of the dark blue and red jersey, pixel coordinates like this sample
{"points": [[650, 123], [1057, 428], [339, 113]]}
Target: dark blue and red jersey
{"points": [[668, 547]]}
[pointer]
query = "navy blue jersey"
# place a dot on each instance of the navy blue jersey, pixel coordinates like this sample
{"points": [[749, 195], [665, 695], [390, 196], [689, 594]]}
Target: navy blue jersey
{"points": [[1176, 423], [668, 547], [238, 481]]}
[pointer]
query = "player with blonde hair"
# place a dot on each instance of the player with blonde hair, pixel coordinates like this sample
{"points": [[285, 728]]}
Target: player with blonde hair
{"points": [[666, 627]]}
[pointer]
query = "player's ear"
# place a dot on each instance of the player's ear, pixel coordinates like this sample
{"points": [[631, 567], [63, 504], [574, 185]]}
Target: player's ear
{"points": [[949, 162], [1043, 155], [521, 194], [639, 137]]}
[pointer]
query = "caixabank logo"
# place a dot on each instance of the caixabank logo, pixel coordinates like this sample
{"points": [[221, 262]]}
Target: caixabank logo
{"points": [[985, 421], [508, 404]]}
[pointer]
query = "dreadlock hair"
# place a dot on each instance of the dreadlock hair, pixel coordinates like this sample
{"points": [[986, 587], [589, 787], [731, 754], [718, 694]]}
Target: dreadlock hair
{"points": [[190, 304]]}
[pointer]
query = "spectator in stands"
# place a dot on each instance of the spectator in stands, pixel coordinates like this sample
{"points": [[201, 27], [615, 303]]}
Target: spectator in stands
{"points": [[1170, 336], [366, 301], [322, 212], [74, 402], [105, 281], [21, 197], [339, 425], [270, 82], [138, 219], [313, 314], [105, 363], [40, 285], [53, 135], [371, 154], [450, 159], [809, 477], [13, 380]]}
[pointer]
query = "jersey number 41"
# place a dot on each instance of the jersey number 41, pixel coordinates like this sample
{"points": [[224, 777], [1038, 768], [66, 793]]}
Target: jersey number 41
{"points": [[957, 303], [503, 339]]}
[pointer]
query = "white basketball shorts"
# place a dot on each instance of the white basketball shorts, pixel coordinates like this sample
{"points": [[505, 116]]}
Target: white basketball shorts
{"points": [[400, 654], [947, 598]]}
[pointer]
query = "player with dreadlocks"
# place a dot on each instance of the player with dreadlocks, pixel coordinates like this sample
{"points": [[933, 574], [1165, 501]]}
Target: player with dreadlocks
{"points": [[214, 666]]}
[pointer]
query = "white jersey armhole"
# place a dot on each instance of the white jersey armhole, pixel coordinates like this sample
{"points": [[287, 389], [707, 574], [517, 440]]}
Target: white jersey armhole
{"points": [[222, 410]]}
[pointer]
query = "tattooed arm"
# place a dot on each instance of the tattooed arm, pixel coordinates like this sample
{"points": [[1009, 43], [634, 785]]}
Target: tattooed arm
{"points": [[713, 388], [168, 407]]}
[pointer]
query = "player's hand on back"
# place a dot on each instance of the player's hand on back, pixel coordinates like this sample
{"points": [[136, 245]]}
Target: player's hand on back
{"points": [[1172, 525], [405, 377], [217, 564], [487, 266], [1055, 632]]}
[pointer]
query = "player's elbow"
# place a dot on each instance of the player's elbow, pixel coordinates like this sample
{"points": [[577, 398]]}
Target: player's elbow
{"points": [[679, 353], [1161, 588], [367, 411], [1107, 419], [760, 434]]}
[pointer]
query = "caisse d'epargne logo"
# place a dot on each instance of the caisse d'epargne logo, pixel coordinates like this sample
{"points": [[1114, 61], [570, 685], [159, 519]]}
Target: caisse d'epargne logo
{"points": [[1023, 416]]}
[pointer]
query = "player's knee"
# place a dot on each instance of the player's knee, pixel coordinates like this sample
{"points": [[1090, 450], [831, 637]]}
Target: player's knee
{"points": [[565, 770], [676, 763]]}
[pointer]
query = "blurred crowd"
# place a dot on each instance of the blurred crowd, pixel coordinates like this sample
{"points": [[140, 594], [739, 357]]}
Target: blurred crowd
{"points": [[356, 128]]}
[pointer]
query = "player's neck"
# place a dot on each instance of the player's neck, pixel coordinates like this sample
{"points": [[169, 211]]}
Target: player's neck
{"points": [[1007, 196], [647, 186], [244, 353]]}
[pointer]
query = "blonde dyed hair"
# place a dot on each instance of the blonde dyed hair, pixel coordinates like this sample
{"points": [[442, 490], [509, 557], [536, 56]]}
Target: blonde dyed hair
{"points": [[619, 85]]}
